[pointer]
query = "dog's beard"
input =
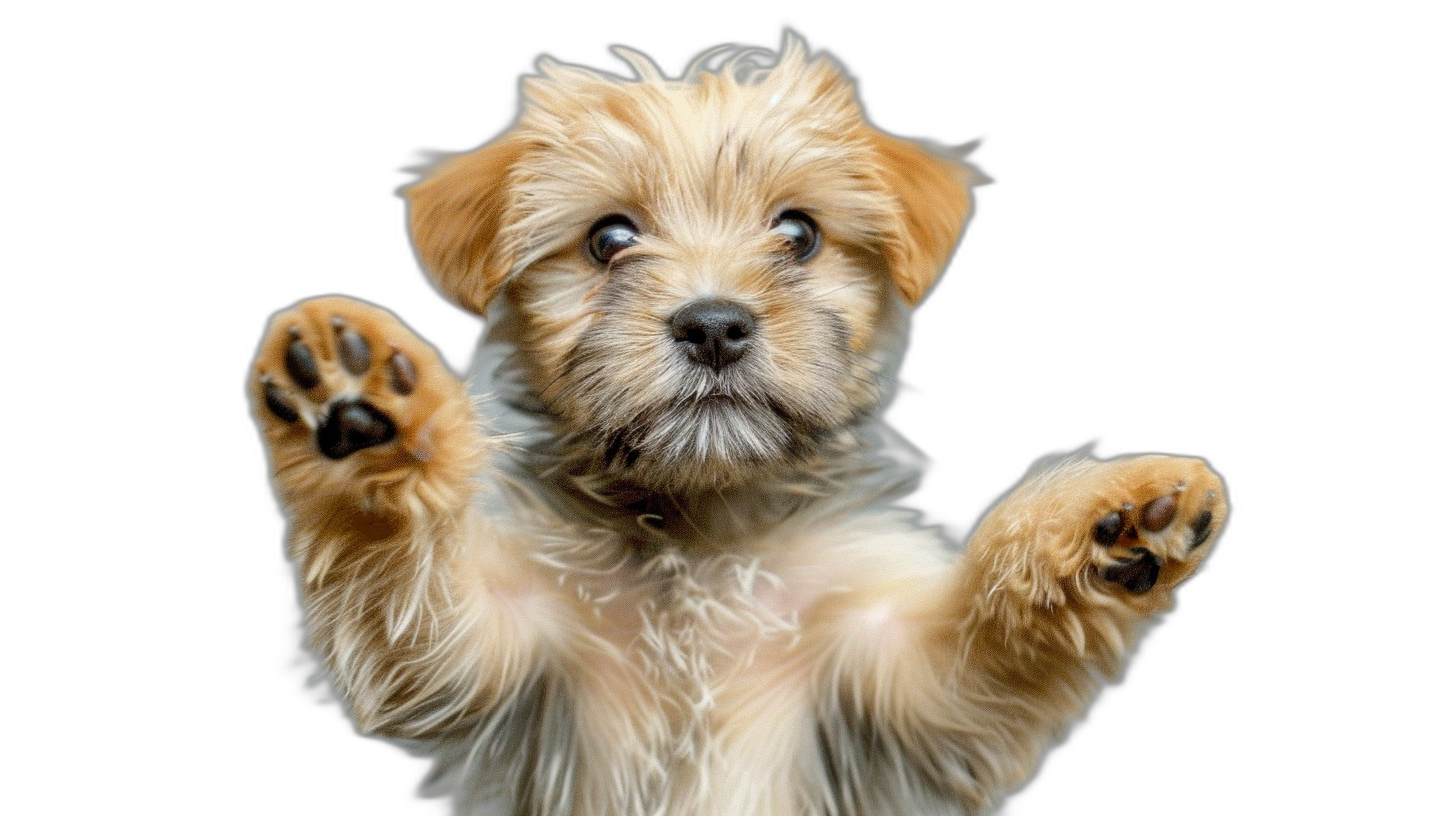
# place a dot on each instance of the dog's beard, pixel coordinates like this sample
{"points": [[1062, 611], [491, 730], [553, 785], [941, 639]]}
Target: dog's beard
{"points": [[711, 431], [686, 427]]}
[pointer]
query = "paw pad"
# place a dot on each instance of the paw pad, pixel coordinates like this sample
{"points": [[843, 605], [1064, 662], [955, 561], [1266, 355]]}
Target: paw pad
{"points": [[278, 402], [1158, 513], [1138, 574], [1108, 529], [1202, 527], [402, 376], [353, 425], [353, 350], [300, 362], [1137, 544], [325, 388]]}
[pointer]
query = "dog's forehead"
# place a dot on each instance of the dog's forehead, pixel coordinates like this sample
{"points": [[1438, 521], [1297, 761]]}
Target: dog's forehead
{"points": [[791, 132]]}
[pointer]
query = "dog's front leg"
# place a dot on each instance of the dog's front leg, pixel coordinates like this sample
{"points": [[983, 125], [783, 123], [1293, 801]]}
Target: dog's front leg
{"points": [[375, 453], [1060, 577]]}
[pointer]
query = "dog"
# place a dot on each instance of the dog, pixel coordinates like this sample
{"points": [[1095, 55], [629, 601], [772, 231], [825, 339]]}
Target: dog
{"points": [[650, 562]]}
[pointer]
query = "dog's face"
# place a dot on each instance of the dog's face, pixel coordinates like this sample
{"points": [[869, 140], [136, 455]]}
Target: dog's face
{"points": [[704, 272]]}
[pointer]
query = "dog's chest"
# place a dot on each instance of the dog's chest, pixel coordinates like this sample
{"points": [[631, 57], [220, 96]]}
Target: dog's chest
{"points": [[693, 681], [692, 684], [690, 628]]}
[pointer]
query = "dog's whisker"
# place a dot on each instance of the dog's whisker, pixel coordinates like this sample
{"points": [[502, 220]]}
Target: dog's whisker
{"points": [[827, 292]]}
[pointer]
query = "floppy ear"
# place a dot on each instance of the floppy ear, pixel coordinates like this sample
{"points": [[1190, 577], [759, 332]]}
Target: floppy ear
{"points": [[934, 194], [456, 215]]}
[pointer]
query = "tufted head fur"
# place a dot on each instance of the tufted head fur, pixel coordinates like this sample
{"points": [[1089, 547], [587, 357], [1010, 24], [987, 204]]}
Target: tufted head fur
{"points": [[714, 176]]}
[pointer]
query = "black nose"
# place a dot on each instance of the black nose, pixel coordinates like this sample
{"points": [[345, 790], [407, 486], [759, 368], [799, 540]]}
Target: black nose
{"points": [[713, 332]]}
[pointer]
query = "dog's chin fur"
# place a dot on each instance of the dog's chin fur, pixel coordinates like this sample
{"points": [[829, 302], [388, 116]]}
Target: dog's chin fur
{"points": [[636, 574]]}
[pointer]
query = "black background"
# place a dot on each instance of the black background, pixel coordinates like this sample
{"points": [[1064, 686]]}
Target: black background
{"points": [[1102, 295]]}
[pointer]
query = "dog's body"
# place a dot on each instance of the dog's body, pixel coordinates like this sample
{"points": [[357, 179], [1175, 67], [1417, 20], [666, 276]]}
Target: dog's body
{"points": [[680, 585]]}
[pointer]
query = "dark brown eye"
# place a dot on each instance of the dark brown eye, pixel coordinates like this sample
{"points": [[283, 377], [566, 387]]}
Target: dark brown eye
{"points": [[610, 236], [800, 233]]}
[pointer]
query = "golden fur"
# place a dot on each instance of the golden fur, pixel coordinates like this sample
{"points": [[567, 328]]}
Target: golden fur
{"points": [[618, 581]]}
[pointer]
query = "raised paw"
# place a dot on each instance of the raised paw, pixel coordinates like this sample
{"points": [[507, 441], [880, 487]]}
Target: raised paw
{"points": [[1163, 511], [336, 378], [343, 425]]}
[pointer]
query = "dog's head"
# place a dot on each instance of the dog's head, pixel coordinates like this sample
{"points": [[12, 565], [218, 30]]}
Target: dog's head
{"points": [[703, 271]]}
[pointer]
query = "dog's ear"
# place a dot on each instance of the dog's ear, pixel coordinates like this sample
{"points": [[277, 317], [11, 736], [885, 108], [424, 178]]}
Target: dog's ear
{"points": [[934, 194], [456, 216]]}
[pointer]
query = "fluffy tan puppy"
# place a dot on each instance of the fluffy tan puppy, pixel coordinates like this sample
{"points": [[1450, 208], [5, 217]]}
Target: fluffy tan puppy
{"points": [[654, 567]]}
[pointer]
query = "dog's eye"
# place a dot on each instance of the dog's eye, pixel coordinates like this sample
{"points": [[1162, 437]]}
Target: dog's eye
{"points": [[800, 233], [610, 236]]}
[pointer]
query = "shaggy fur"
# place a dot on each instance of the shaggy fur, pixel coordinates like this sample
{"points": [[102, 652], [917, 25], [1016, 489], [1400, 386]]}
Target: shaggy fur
{"points": [[620, 580]]}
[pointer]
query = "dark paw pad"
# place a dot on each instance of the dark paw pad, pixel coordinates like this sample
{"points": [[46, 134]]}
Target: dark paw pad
{"points": [[402, 376], [1137, 575], [353, 350], [1158, 513], [1118, 525], [353, 426], [278, 402], [1201, 527], [300, 362], [1108, 529]]}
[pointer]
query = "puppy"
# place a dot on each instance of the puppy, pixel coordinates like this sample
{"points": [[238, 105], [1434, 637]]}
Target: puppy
{"points": [[654, 566]]}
